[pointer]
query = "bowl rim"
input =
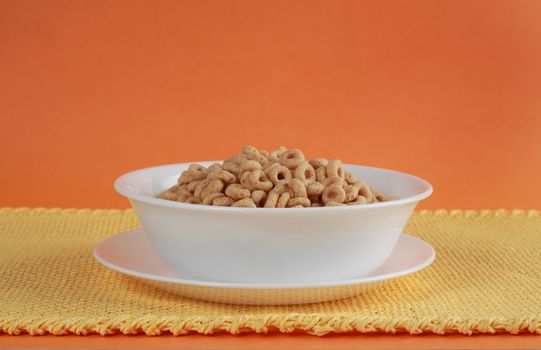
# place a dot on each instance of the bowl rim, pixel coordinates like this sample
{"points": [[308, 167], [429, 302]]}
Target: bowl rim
{"points": [[198, 207]]}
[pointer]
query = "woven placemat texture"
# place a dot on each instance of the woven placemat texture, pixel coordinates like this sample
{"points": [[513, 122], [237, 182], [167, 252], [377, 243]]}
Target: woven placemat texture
{"points": [[486, 279]]}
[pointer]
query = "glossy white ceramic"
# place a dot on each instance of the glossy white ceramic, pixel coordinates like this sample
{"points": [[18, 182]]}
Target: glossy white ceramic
{"points": [[130, 253], [262, 245]]}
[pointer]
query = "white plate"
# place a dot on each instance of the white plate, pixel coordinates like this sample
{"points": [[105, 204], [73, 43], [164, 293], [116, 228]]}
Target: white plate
{"points": [[130, 253]]}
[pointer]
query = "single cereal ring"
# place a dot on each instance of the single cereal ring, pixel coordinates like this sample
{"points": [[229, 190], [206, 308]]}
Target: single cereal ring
{"points": [[232, 167], [215, 185], [378, 197], [256, 180], [188, 176], [175, 188], [334, 180], [197, 167], [168, 195], [259, 197], [278, 173], [237, 159], [209, 199], [351, 193], [297, 187], [253, 154], [244, 203], [315, 188], [192, 185], [358, 200], [183, 190], [333, 193], [302, 201], [321, 174], [223, 202], [224, 175], [249, 165], [318, 163], [305, 172], [272, 199], [292, 158], [182, 197], [237, 191], [214, 167], [350, 178], [193, 200], [275, 155], [264, 153], [364, 190], [282, 201], [200, 187], [297, 206], [334, 168], [334, 204]]}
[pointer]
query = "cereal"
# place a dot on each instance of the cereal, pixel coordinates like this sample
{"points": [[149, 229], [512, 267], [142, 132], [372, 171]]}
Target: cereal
{"points": [[314, 188], [223, 202], [358, 200], [191, 175], [275, 155], [281, 178], [236, 191], [249, 165], [364, 190], [214, 186], [334, 180], [297, 188], [272, 199], [305, 172], [334, 168], [193, 200], [318, 163], [256, 180], [321, 174], [200, 187], [169, 195], [333, 193], [278, 173], [334, 204], [192, 185], [302, 201], [291, 158], [253, 153], [282, 201], [259, 197], [244, 203], [350, 179], [209, 199]]}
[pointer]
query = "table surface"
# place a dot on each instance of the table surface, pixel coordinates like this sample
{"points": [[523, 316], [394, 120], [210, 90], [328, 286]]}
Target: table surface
{"points": [[274, 341]]}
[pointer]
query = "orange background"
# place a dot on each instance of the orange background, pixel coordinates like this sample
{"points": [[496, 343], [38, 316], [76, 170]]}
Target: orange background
{"points": [[447, 90]]}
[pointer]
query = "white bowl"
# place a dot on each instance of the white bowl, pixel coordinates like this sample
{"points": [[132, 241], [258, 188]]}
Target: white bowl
{"points": [[281, 245]]}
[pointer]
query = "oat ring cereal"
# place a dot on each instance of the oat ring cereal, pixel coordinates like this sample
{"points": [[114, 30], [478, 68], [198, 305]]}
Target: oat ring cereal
{"points": [[305, 172], [333, 193], [292, 158], [335, 169], [256, 180], [281, 178], [278, 173]]}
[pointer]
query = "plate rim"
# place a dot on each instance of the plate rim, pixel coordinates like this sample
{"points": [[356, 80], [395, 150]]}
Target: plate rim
{"points": [[276, 286]]}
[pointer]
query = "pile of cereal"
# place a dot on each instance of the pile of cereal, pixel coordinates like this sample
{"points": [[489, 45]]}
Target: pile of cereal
{"points": [[280, 179]]}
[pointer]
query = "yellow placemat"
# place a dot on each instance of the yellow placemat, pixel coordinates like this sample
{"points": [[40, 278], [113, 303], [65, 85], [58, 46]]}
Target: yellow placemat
{"points": [[486, 279]]}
